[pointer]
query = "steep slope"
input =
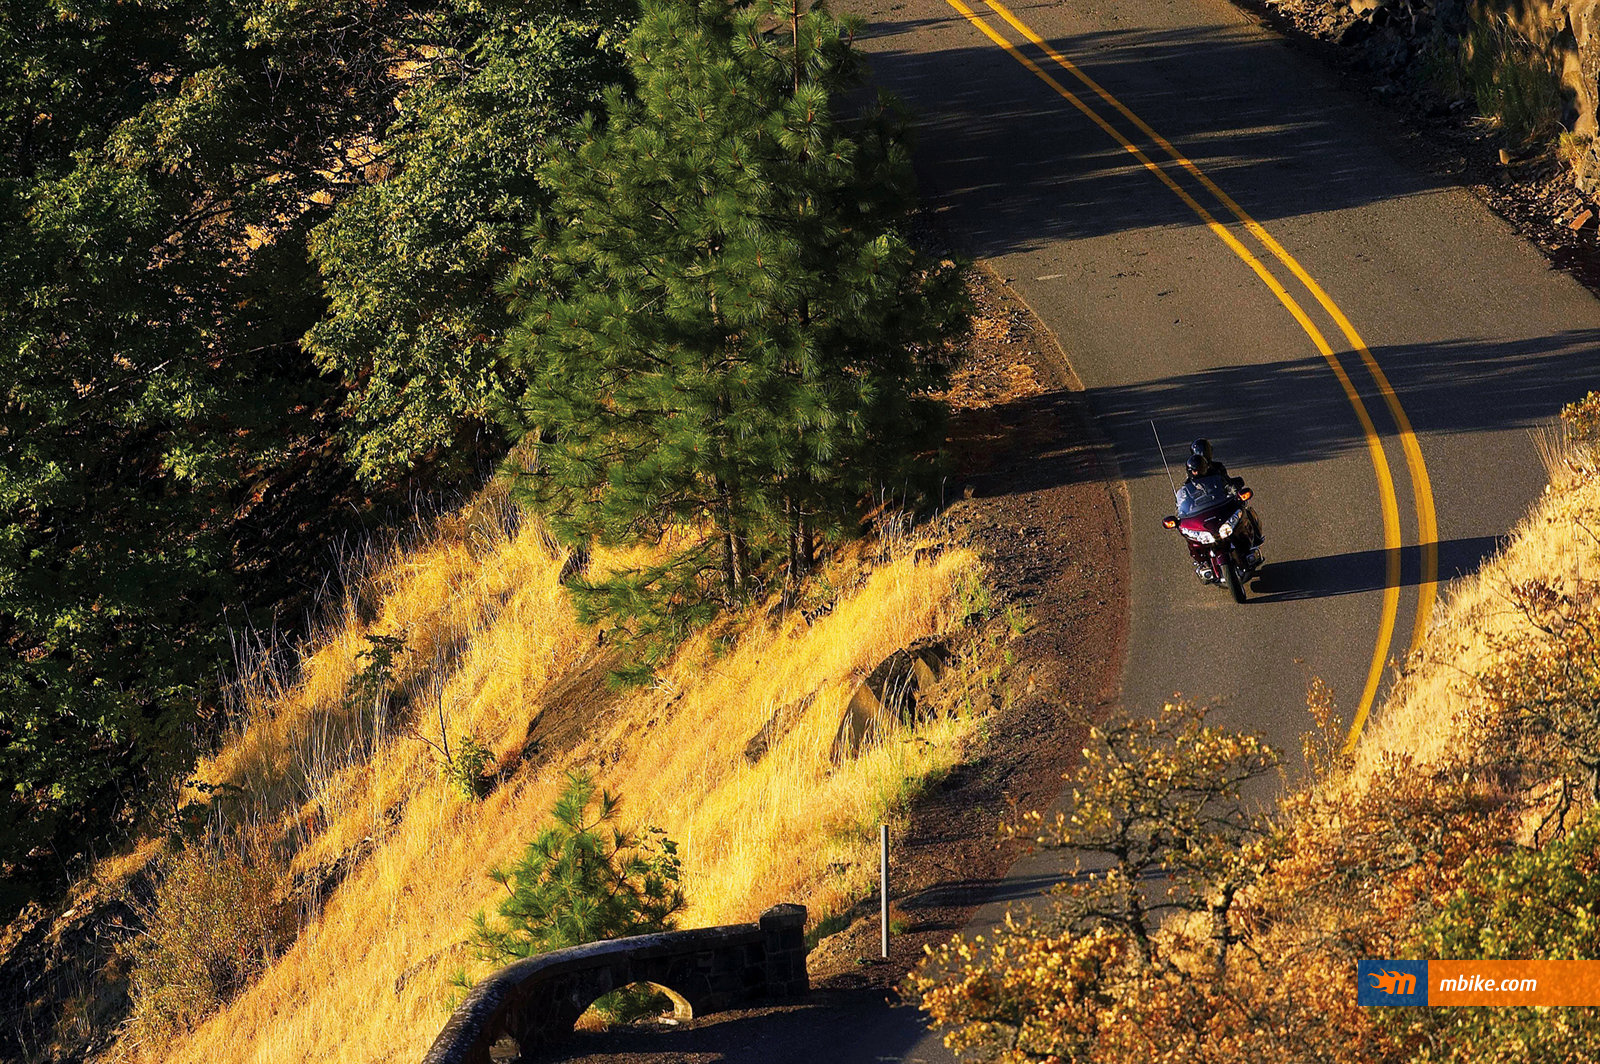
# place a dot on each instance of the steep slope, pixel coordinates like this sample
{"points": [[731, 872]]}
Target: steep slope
{"points": [[392, 857]]}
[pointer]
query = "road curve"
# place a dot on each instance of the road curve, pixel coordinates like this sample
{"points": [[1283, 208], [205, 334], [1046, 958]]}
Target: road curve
{"points": [[1229, 243]]}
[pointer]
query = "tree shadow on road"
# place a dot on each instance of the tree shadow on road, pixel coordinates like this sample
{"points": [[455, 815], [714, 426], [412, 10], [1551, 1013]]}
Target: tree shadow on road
{"points": [[1285, 412], [1291, 411], [1366, 570], [1021, 167]]}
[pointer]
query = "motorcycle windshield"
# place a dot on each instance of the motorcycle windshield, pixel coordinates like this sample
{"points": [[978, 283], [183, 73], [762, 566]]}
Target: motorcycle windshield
{"points": [[1200, 494]]}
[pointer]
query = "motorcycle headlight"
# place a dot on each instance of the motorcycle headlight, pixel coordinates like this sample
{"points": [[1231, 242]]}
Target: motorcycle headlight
{"points": [[1199, 535], [1230, 524]]}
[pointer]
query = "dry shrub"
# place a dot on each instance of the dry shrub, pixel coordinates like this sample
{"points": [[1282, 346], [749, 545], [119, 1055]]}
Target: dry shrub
{"points": [[217, 920], [1510, 70], [1254, 957]]}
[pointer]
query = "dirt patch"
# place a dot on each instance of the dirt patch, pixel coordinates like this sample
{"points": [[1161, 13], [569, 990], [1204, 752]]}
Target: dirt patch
{"points": [[571, 709], [1037, 494]]}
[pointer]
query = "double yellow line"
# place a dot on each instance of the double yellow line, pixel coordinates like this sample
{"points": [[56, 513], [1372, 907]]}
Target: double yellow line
{"points": [[1422, 491]]}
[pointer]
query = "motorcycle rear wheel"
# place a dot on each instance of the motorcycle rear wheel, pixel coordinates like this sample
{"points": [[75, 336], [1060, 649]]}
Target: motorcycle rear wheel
{"points": [[1230, 573]]}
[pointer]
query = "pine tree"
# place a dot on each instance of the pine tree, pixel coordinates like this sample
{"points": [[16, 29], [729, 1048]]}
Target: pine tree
{"points": [[727, 339], [582, 879]]}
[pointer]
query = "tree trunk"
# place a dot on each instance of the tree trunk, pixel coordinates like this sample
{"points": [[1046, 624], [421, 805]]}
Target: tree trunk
{"points": [[741, 563], [732, 575], [792, 513], [1221, 938], [794, 28]]}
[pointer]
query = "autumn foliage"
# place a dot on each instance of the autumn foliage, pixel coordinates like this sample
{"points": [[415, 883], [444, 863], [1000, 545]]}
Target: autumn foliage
{"points": [[1197, 929]]}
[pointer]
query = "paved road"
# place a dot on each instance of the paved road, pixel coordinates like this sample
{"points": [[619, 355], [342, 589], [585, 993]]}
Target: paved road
{"points": [[1164, 318], [1205, 308]]}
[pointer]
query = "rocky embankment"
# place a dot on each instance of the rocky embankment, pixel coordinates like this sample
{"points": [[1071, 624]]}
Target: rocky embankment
{"points": [[1503, 97]]}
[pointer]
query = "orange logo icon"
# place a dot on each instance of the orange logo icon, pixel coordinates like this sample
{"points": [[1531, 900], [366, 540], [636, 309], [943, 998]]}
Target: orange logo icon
{"points": [[1394, 982]]}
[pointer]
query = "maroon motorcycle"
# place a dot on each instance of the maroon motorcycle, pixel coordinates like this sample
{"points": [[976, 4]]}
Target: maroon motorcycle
{"points": [[1223, 533]]}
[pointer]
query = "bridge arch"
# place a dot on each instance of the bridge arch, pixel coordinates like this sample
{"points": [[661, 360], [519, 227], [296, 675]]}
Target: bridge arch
{"points": [[536, 1001], [682, 1008]]}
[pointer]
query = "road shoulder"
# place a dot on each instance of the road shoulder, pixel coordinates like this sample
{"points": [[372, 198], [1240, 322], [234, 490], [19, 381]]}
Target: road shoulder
{"points": [[1037, 494]]}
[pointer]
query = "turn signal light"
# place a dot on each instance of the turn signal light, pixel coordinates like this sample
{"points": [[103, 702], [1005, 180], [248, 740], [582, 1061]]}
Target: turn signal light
{"points": [[1245, 494], [1169, 522]]}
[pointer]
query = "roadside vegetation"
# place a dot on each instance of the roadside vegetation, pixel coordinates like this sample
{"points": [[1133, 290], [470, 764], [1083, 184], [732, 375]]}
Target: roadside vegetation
{"points": [[641, 258], [1510, 69], [1463, 825], [389, 859], [243, 241], [1522, 72]]}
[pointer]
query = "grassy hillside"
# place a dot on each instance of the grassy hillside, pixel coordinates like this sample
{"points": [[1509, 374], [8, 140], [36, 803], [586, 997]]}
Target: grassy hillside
{"points": [[341, 774], [1440, 712]]}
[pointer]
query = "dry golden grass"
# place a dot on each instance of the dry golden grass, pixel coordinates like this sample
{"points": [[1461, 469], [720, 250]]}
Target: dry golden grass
{"points": [[489, 631], [1427, 714]]}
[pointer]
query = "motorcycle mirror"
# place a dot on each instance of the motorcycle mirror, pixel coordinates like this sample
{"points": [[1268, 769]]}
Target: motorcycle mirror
{"points": [[1169, 522], [1245, 493]]}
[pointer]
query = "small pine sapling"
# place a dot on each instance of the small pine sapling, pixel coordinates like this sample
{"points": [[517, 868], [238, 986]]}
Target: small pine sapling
{"points": [[582, 879]]}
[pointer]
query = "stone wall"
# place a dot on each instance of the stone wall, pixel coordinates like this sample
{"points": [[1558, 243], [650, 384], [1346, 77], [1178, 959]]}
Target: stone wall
{"points": [[536, 1001]]}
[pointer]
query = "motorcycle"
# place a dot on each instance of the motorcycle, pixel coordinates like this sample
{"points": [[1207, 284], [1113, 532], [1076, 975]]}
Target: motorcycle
{"points": [[1222, 533]]}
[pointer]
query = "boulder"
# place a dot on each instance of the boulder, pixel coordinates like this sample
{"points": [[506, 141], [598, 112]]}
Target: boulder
{"points": [[890, 693]]}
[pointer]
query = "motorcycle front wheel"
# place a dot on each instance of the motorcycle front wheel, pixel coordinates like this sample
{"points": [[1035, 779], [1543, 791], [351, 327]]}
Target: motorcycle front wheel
{"points": [[1230, 573]]}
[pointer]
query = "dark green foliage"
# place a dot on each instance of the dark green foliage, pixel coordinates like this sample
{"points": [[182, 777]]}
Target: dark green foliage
{"points": [[582, 879], [1528, 905], [164, 452], [410, 262], [162, 162], [725, 336]]}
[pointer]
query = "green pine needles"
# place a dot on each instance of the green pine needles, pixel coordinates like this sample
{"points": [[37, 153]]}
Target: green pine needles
{"points": [[582, 879], [728, 342]]}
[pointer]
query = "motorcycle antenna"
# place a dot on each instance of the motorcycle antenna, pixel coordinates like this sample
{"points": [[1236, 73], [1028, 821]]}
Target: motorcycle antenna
{"points": [[1170, 482]]}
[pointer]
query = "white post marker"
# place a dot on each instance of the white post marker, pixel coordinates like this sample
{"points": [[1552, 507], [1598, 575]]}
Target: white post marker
{"points": [[883, 883]]}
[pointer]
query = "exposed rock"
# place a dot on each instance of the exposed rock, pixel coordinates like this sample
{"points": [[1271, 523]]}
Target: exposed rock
{"points": [[782, 719], [890, 692]]}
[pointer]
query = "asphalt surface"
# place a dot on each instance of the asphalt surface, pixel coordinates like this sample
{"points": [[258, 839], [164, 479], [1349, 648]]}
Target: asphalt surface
{"points": [[1479, 338]]}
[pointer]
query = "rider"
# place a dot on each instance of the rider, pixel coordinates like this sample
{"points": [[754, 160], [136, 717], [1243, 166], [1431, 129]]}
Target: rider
{"points": [[1202, 448], [1201, 464]]}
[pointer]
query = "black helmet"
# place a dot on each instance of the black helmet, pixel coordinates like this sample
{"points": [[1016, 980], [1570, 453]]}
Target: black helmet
{"points": [[1198, 465], [1201, 447]]}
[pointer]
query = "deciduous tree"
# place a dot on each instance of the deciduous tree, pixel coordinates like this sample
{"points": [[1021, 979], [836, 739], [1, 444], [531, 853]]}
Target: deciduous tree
{"points": [[160, 164], [411, 260]]}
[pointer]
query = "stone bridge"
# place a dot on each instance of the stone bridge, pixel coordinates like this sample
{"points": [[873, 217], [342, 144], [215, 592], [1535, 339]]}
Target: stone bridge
{"points": [[536, 1001]]}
